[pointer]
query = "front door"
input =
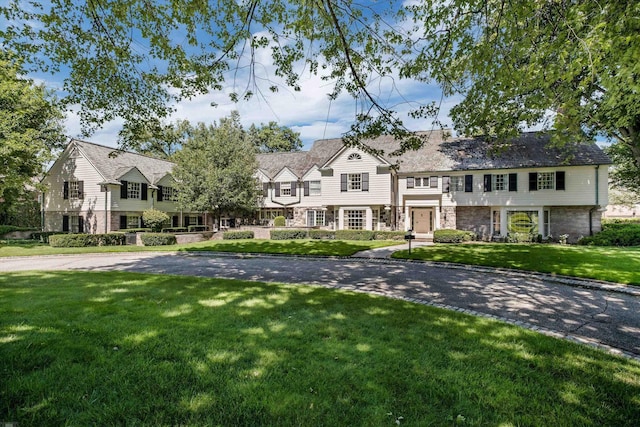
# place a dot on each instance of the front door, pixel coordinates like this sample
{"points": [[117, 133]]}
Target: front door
{"points": [[422, 220]]}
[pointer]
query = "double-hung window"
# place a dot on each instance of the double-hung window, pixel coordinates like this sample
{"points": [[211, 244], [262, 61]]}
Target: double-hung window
{"points": [[457, 183], [285, 189], [546, 180], [315, 218], [354, 182], [73, 190], [354, 219], [168, 194], [499, 182], [133, 190]]}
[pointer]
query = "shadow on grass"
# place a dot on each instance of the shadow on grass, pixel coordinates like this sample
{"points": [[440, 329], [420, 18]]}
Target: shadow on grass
{"points": [[289, 247], [123, 348]]}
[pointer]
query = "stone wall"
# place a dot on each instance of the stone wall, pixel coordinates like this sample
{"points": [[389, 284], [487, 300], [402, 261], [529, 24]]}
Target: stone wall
{"points": [[448, 217], [476, 219], [574, 221]]}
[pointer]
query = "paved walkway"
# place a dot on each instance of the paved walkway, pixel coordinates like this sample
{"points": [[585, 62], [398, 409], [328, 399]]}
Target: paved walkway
{"points": [[593, 313], [385, 252]]}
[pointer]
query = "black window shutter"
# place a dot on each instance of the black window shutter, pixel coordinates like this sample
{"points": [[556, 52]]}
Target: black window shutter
{"points": [[365, 181], [65, 190], [277, 189], [175, 221], [513, 182], [123, 189], [533, 181], [265, 189], [65, 222], [294, 185], [123, 222], [343, 182], [560, 180], [446, 184], [306, 188], [468, 183], [80, 189], [433, 182], [80, 224], [159, 191], [411, 182], [487, 183], [144, 192]]}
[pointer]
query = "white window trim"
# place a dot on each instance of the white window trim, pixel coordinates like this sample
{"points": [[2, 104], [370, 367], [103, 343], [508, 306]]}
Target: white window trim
{"points": [[354, 182]]}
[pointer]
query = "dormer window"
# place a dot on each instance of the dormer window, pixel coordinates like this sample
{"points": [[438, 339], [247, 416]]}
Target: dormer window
{"points": [[354, 156]]}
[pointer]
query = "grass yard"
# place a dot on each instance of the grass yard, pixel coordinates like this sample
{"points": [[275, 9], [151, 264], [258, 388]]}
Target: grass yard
{"points": [[289, 247], [121, 348], [613, 264]]}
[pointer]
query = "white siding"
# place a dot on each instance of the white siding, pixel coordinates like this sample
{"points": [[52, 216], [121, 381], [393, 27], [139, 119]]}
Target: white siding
{"points": [[379, 183], [132, 205], [313, 201]]}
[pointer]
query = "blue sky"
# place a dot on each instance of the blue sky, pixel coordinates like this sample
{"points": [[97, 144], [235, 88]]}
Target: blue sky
{"points": [[308, 112]]}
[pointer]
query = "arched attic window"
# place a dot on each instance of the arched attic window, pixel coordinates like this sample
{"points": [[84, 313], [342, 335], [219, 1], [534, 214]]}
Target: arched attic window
{"points": [[354, 156]]}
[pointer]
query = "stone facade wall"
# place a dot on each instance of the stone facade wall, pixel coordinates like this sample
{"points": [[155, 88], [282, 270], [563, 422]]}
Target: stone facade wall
{"points": [[448, 217], [574, 221], [476, 219]]}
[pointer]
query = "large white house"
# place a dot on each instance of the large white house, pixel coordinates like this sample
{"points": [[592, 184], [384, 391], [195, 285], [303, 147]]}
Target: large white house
{"points": [[462, 183], [96, 189]]}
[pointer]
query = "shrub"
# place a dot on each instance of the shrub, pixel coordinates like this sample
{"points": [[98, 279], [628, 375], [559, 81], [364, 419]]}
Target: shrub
{"points": [[174, 230], [237, 235], [322, 234], [195, 228], [4, 229], [84, 240], [136, 230], [43, 236], [279, 221], [389, 235], [157, 239], [615, 234], [354, 235], [447, 235], [154, 219], [520, 238], [289, 234]]}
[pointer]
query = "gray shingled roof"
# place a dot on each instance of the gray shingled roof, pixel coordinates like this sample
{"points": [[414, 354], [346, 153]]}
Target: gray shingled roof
{"points": [[113, 163], [448, 154]]}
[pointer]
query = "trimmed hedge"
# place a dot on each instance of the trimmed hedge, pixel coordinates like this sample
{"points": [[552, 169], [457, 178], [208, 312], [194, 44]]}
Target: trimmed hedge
{"points": [[135, 230], [322, 234], [279, 221], [615, 234], [289, 234], [84, 240], [354, 235], [195, 228], [174, 230], [447, 235], [389, 235], [4, 229], [43, 236], [237, 235], [157, 239]]}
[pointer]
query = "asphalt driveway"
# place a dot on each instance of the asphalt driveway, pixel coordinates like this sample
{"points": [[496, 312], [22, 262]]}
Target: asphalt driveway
{"points": [[583, 311]]}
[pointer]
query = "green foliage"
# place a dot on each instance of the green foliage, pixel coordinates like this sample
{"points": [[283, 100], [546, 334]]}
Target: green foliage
{"points": [[272, 138], [520, 238], [354, 235], [43, 236], [154, 219], [620, 233], [446, 235], [238, 235], [84, 240], [322, 234], [4, 229], [30, 132], [279, 221], [174, 230], [196, 228], [289, 234], [215, 169], [157, 239], [389, 235]]}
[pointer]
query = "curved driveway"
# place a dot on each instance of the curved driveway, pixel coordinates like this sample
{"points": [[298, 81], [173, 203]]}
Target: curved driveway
{"points": [[573, 309]]}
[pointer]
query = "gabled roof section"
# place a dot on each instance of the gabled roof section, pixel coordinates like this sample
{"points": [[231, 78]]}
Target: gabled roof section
{"points": [[344, 148], [272, 163], [112, 163]]}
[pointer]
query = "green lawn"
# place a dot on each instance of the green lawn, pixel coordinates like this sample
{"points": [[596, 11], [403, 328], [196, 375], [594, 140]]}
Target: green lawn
{"points": [[613, 264], [289, 247], [122, 348]]}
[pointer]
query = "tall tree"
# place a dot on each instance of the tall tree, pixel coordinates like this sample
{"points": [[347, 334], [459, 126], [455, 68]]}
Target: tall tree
{"points": [[215, 169], [30, 131], [155, 138], [571, 66], [271, 138]]}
